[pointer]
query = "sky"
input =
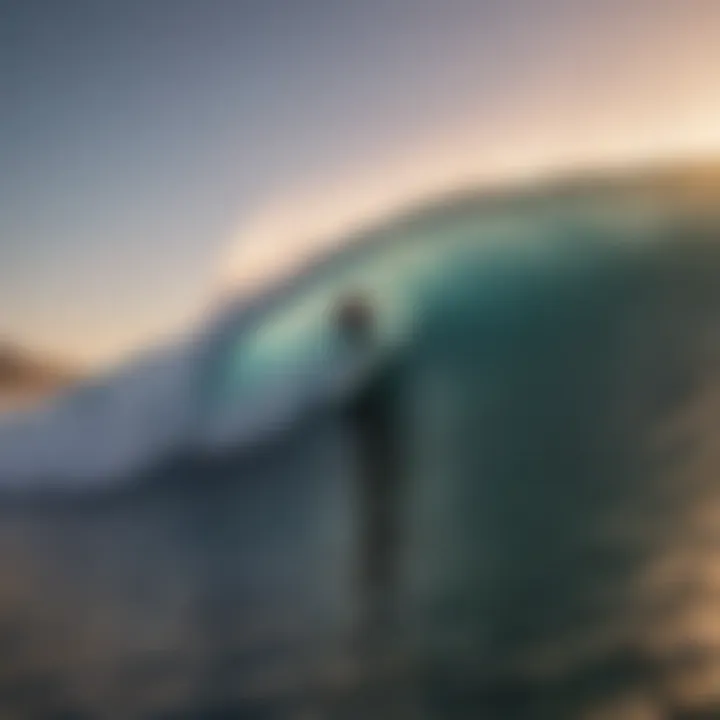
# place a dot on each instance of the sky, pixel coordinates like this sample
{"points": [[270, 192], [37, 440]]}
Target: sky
{"points": [[154, 153]]}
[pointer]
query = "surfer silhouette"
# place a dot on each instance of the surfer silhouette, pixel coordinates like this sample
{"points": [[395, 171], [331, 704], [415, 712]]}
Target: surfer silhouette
{"points": [[371, 414]]}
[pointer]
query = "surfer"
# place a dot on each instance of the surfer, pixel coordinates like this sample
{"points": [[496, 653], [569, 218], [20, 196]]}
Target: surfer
{"points": [[372, 418]]}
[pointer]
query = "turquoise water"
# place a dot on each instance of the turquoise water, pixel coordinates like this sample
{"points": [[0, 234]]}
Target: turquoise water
{"points": [[561, 532]]}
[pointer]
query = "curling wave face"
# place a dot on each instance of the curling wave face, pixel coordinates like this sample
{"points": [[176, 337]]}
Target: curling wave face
{"points": [[560, 538]]}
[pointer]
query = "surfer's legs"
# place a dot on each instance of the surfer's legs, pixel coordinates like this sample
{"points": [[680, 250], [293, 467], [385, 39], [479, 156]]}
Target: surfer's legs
{"points": [[379, 505], [379, 517], [387, 688]]}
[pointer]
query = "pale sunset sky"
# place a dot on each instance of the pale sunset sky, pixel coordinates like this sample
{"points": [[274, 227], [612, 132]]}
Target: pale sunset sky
{"points": [[152, 149]]}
